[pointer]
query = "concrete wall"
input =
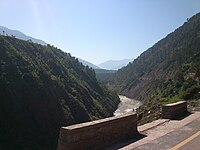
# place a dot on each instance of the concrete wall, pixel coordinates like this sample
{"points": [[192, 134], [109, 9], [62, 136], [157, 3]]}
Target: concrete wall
{"points": [[174, 110], [97, 134]]}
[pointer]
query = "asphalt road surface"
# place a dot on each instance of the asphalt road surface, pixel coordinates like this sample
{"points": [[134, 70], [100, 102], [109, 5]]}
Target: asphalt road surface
{"points": [[165, 134]]}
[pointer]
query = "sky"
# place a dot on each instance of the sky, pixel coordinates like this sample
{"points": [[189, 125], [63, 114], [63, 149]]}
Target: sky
{"points": [[98, 30]]}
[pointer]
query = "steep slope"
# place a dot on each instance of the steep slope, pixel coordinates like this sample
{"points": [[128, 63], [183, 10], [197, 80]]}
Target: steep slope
{"points": [[142, 78], [42, 89], [19, 35]]}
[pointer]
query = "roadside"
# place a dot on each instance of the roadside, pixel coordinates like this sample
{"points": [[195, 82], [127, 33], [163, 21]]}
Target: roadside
{"points": [[162, 133], [196, 106], [172, 133]]}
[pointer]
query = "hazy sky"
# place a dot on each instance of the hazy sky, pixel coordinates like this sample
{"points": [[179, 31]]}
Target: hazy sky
{"points": [[98, 30]]}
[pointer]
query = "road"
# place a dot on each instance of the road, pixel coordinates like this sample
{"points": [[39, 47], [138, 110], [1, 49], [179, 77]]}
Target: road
{"points": [[165, 134], [126, 105]]}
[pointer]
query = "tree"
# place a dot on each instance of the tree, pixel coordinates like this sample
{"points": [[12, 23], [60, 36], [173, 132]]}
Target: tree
{"points": [[196, 69], [29, 40]]}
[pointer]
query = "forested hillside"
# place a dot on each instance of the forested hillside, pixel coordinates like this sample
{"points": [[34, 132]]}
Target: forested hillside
{"points": [[104, 75], [168, 70], [41, 89]]}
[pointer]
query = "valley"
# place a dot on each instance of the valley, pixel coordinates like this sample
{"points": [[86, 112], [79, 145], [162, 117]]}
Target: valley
{"points": [[169, 70], [127, 105], [43, 87]]}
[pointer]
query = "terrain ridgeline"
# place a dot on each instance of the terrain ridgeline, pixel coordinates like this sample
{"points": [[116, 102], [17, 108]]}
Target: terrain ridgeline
{"points": [[43, 88]]}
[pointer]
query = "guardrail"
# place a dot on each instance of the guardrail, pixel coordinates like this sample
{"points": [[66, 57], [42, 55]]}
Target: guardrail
{"points": [[174, 110], [98, 134], [104, 132]]}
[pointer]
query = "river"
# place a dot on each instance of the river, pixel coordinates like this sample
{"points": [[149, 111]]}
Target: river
{"points": [[126, 105]]}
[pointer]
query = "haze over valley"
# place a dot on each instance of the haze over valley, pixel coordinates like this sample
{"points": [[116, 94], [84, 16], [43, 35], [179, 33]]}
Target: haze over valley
{"points": [[92, 60]]}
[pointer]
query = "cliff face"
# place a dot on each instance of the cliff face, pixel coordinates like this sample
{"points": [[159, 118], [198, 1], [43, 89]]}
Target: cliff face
{"points": [[161, 63], [42, 89]]}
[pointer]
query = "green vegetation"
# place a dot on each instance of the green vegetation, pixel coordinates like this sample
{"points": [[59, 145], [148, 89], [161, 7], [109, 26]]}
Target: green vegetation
{"points": [[169, 70], [41, 89], [150, 111], [184, 85], [104, 75]]}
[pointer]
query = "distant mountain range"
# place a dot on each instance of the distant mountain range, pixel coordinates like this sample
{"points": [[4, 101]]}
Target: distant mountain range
{"points": [[86, 63], [19, 35], [108, 65], [114, 64]]}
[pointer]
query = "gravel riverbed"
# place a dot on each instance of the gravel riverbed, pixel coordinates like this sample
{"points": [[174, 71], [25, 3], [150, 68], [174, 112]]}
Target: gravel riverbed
{"points": [[126, 105]]}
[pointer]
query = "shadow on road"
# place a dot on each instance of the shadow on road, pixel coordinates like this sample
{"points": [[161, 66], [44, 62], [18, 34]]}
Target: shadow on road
{"points": [[126, 142], [182, 116]]}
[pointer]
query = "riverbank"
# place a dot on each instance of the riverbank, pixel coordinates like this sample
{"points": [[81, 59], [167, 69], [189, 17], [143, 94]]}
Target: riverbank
{"points": [[127, 105]]}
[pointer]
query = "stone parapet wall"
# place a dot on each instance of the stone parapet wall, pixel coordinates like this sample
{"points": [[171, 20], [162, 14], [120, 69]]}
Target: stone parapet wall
{"points": [[97, 134], [174, 110]]}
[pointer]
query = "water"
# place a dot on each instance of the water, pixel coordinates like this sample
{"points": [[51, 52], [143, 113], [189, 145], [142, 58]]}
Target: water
{"points": [[126, 105]]}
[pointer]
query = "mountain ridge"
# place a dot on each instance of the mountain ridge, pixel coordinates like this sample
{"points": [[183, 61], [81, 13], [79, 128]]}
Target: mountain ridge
{"points": [[19, 35], [158, 65], [43, 88], [114, 64], [87, 63]]}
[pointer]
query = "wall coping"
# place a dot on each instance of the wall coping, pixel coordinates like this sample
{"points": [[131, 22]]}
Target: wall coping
{"points": [[91, 123], [176, 103], [99, 133], [174, 110]]}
